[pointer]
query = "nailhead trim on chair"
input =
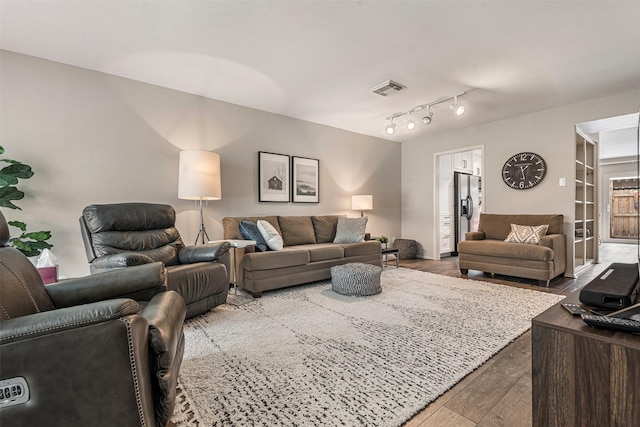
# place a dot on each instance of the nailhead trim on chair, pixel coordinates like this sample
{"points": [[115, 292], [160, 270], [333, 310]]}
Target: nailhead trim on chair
{"points": [[134, 371]]}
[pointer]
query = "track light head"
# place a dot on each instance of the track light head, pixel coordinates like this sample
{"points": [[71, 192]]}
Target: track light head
{"points": [[457, 108], [410, 123], [427, 119], [391, 128]]}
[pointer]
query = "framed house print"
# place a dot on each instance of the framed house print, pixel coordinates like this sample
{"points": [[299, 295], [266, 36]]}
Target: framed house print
{"points": [[273, 177], [305, 182]]}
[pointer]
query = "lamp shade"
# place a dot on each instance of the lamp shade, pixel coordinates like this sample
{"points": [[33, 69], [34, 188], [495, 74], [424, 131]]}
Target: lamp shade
{"points": [[199, 177], [362, 203]]}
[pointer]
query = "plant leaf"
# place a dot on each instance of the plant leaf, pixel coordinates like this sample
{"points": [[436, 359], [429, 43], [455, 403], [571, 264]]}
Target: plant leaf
{"points": [[17, 170], [10, 193], [18, 224], [40, 245], [38, 236], [21, 245]]}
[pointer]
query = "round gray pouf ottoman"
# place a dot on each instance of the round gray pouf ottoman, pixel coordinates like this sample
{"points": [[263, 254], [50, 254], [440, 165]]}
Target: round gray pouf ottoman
{"points": [[356, 279]]}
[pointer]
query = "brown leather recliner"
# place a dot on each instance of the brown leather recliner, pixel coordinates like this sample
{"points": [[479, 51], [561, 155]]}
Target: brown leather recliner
{"points": [[103, 350], [127, 234]]}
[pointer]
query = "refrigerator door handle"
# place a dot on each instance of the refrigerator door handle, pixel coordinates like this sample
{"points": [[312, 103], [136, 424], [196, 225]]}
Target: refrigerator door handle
{"points": [[464, 206], [470, 207]]}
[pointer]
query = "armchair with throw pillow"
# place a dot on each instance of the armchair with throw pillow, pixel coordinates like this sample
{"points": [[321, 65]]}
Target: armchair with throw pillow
{"points": [[103, 350], [127, 234]]}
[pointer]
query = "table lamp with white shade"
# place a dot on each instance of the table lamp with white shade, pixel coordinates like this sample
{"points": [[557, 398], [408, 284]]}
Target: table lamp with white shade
{"points": [[362, 203]]}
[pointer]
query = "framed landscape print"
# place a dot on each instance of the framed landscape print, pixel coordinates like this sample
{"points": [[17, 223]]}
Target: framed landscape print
{"points": [[305, 183], [273, 177]]}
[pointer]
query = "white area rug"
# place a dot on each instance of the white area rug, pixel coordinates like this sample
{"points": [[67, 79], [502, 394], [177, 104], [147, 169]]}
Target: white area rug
{"points": [[306, 356]]}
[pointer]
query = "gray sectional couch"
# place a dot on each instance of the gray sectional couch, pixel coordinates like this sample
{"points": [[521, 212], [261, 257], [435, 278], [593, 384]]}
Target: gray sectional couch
{"points": [[308, 254]]}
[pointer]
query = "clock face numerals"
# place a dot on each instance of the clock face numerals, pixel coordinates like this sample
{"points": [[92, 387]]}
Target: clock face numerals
{"points": [[524, 170]]}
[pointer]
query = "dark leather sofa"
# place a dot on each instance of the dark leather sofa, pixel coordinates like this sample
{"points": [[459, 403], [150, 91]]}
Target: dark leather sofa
{"points": [[128, 234], [103, 350]]}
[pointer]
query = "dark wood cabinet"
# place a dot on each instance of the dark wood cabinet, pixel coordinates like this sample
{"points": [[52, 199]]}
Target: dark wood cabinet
{"points": [[583, 376]]}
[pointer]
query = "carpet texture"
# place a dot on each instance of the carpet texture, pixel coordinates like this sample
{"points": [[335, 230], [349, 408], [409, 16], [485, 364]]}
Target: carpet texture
{"points": [[306, 356]]}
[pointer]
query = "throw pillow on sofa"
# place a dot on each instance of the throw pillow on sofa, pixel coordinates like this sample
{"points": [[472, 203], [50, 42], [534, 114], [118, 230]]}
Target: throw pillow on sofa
{"points": [[297, 230], [270, 235], [530, 234], [249, 230], [325, 227], [350, 230]]}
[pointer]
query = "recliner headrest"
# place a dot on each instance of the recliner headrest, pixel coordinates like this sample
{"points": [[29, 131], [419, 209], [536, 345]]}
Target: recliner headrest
{"points": [[4, 231], [128, 217]]}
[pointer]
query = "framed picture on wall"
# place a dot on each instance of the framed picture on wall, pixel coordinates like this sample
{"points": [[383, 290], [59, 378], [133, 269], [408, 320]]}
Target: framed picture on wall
{"points": [[273, 177], [306, 180]]}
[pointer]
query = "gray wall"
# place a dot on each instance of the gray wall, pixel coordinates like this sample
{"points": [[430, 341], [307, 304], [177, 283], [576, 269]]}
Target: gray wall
{"points": [[95, 138], [549, 133]]}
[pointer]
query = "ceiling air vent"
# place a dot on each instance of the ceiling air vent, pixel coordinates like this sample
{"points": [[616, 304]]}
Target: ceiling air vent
{"points": [[385, 88]]}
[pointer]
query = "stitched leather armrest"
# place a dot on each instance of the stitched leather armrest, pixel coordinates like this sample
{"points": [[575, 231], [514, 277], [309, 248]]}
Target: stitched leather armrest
{"points": [[165, 314], [125, 259], [139, 283], [48, 322], [203, 253]]}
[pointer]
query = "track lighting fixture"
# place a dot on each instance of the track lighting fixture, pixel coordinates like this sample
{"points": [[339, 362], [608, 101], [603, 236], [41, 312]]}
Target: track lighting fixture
{"points": [[427, 119], [410, 123], [391, 128], [457, 107]]}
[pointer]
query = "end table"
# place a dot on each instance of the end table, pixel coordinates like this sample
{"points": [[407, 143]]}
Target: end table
{"points": [[235, 244], [385, 256]]}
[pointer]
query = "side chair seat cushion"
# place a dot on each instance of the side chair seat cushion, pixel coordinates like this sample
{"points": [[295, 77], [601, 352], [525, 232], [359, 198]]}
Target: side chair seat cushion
{"points": [[502, 249]]}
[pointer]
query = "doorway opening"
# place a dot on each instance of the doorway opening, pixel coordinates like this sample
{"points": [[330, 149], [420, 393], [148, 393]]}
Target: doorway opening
{"points": [[617, 165], [623, 208]]}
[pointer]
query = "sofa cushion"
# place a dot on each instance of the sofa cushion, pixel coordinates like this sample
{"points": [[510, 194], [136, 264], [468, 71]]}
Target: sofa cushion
{"points": [[249, 231], [529, 234], [273, 260], [350, 230], [497, 226], [501, 249], [297, 230], [324, 251], [270, 235], [325, 227]]}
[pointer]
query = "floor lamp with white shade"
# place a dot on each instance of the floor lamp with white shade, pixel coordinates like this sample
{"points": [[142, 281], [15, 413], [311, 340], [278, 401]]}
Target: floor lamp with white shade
{"points": [[199, 179]]}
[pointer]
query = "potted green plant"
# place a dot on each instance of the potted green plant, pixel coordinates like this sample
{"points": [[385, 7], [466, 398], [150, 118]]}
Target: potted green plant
{"points": [[384, 240], [29, 243]]}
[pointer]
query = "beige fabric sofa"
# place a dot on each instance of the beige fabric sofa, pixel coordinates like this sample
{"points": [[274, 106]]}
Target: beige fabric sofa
{"points": [[308, 254], [486, 250]]}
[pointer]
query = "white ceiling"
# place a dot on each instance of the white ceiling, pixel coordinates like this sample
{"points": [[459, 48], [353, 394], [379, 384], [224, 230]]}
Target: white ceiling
{"points": [[316, 60]]}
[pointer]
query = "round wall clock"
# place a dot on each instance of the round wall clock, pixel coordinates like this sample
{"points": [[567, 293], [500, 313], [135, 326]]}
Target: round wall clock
{"points": [[524, 170]]}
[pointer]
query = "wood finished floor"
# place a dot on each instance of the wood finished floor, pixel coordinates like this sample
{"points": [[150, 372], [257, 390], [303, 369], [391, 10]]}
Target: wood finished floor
{"points": [[499, 392]]}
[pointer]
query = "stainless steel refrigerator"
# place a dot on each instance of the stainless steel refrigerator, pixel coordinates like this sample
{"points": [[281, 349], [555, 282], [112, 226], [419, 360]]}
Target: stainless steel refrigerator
{"points": [[467, 205]]}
